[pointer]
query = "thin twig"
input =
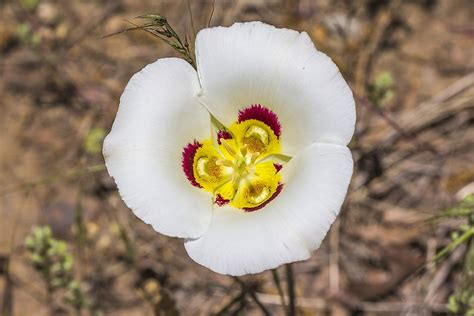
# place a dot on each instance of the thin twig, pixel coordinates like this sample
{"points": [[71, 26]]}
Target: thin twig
{"points": [[212, 13], [252, 294], [191, 18], [334, 258], [276, 280], [426, 113], [321, 304], [71, 174], [234, 301], [365, 60], [399, 130], [442, 274], [7, 297], [291, 289], [454, 89]]}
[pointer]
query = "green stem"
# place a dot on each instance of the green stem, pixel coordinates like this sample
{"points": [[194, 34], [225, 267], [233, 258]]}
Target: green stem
{"points": [[469, 260], [453, 245]]}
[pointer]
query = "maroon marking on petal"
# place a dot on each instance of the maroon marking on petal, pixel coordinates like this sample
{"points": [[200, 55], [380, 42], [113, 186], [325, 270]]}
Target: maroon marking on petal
{"points": [[253, 209], [223, 135], [187, 162], [262, 114], [277, 167], [220, 200]]}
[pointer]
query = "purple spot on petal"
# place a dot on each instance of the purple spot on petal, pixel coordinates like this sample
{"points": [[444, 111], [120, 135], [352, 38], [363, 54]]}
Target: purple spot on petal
{"points": [[220, 200], [262, 114], [253, 209], [277, 167], [223, 135], [187, 162]]}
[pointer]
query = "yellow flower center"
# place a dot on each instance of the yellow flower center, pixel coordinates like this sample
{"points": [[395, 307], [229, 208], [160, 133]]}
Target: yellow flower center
{"points": [[240, 170]]}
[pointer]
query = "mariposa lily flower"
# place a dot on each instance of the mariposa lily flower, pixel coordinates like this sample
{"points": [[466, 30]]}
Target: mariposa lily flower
{"points": [[246, 157]]}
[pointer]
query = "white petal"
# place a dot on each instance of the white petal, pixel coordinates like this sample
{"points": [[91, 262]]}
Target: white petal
{"points": [[157, 117], [289, 227], [281, 69]]}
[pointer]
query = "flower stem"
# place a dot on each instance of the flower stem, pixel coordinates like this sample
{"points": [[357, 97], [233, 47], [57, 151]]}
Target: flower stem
{"points": [[291, 290], [276, 280]]}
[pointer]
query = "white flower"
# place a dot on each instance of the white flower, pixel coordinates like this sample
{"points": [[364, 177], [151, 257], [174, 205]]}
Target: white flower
{"points": [[260, 185]]}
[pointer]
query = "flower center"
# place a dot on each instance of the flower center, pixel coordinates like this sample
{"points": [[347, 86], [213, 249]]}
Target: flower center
{"points": [[238, 165]]}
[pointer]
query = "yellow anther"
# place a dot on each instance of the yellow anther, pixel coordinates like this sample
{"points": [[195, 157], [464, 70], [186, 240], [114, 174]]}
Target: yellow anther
{"points": [[228, 147], [224, 162], [244, 150], [254, 157]]}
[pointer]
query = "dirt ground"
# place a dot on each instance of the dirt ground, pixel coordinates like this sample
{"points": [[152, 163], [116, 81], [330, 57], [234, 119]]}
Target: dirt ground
{"points": [[411, 66]]}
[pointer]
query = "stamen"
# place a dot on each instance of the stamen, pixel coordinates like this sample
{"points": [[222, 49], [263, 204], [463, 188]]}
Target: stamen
{"points": [[243, 150], [254, 157], [224, 162], [228, 147]]}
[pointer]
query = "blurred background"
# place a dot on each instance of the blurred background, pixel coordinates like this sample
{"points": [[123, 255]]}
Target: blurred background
{"points": [[403, 244]]}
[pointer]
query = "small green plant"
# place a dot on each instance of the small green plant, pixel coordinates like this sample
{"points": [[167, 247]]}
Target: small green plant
{"points": [[75, 297], [381, 89], [461, 302], [93, 141], [52, 259], [26, 35]]}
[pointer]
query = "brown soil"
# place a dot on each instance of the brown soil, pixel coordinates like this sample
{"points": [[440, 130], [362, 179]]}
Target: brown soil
{"points": [[414, 155]]}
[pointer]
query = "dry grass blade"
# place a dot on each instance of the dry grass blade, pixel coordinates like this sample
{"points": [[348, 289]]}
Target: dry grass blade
{"points": [[159, 27], [212, 13]]}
